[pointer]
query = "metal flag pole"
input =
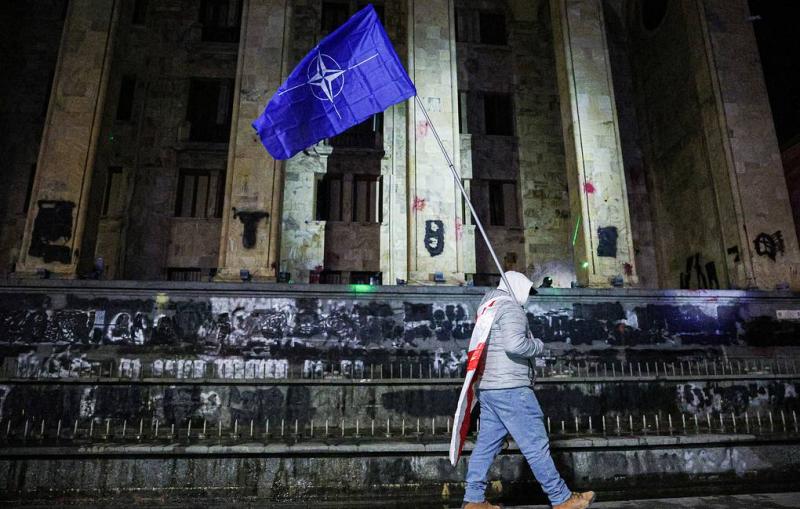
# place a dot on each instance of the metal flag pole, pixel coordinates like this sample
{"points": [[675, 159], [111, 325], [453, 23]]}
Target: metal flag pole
{"points": [[457, 178]]}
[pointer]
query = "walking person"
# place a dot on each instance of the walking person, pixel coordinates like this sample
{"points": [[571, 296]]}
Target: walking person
{"points": [[500, 376]]}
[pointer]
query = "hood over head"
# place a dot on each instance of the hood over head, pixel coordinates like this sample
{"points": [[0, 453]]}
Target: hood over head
{"points": [[520, 286]]}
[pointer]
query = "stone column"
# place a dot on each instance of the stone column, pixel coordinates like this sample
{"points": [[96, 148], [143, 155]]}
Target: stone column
{"points": [[394, 236], [602, 239], [59, 199], [434, 204], [302, 247], [250, 237], [756, 218]]}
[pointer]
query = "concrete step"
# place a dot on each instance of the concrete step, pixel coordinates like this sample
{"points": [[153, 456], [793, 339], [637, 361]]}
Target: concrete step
{"points": [[390, 474]]}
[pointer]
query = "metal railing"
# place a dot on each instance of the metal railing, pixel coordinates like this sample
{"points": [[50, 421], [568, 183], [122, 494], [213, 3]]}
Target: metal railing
{"points": [[41, 431], [242, 369]]}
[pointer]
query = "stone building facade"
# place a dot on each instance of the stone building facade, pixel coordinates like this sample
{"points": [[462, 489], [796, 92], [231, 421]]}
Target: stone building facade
{"points": [[602, 142]]}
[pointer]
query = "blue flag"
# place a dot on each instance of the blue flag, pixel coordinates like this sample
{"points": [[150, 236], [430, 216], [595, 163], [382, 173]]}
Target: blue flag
{"points": [[351, 75]]}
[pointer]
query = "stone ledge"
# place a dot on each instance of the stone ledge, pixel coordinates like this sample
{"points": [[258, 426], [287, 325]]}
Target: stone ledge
{"points": [[297, 290], [454, 382], [385, 447]]}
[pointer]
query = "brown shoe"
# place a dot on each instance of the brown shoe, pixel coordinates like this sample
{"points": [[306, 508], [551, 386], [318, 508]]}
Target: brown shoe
{"points": [[480, 505], [577, 501]]}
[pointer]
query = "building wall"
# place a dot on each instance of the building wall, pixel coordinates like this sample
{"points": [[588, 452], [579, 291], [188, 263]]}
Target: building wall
{"points": [[164, 54], [791, 167], [30, 36], [682, 104], [756, 177], [536, 238], [617, 18], [672, 105]]}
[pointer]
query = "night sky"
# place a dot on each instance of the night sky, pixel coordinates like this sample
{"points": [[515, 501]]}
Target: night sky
{"points": [[778, 35]]}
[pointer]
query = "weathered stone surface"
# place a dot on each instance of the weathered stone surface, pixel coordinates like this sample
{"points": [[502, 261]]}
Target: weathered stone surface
{"points": [[68, 147], [598, 193], [650, 159], [254, 179], [389, 474]]}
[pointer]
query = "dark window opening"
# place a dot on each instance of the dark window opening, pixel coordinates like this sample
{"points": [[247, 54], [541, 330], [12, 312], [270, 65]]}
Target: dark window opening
{"points": [[113, 200], [503, 203], [139, 12], [653, 12], [496, 204], [498, 114], [465, 25], [493, 28], [367, 199], [185, 274], [29, 191], [329, 198], [334, 14], [209, 111], [331, 277], [366, 135], [221, 20], [126, 92], [200, 193], [366, 278]]}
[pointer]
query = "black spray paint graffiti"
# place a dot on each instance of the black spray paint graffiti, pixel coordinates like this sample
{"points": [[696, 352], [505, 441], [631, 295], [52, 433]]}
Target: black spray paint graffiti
{"points": [[53, 223], [250, 221], [301, 328], [607, 241], [706, 276], [769, 245], [734, 251], [445, 323], [434, 237]]}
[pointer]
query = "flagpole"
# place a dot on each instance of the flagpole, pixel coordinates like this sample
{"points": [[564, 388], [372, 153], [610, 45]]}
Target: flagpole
{"points": [[457, 178]]}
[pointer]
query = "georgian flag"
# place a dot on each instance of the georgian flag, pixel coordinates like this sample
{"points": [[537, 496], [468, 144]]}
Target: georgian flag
{"points": [[467, 399]]}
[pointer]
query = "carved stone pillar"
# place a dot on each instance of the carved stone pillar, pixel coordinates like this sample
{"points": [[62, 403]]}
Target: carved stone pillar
{"points": [[434, 220], [250, 237], [59, 198], [603, 246]]}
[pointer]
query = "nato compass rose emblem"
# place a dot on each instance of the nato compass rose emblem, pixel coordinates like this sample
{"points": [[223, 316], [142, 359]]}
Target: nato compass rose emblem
{"points": [[326, 78]]}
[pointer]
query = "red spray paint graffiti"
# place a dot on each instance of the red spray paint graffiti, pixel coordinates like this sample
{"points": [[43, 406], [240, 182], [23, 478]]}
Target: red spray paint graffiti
{"points": [[419, 204], [422, 129]]}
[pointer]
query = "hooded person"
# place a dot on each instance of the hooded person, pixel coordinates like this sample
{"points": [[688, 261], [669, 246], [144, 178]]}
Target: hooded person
{"points": [[500, 375]]}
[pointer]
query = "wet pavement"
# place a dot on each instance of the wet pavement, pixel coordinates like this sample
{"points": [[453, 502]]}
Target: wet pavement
{"points": [[762, 501]]}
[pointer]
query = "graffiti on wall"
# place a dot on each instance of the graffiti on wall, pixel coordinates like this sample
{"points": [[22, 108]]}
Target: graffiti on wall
{"points": [[434, 237], [270, 327], [704, 276], [53, 224], [250, 220], [607, 241], [769, 245]]}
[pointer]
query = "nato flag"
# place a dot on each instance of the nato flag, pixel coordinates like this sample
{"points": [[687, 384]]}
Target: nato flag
{"points": [[351, 75]]}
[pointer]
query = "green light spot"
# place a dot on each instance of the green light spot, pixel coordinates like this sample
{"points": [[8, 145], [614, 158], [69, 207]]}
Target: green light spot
{"points": [[585, 265], [361, 288], [575, 235]]}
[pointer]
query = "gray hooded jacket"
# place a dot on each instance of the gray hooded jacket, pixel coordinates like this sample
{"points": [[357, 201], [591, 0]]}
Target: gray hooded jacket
{"points": [[510, 347]]}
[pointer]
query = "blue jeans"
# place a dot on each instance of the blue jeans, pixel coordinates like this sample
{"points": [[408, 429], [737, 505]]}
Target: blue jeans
{"points": [[515, 411]]}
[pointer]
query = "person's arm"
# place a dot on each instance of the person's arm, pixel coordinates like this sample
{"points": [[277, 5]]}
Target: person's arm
{"points": [[516, 338]]}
